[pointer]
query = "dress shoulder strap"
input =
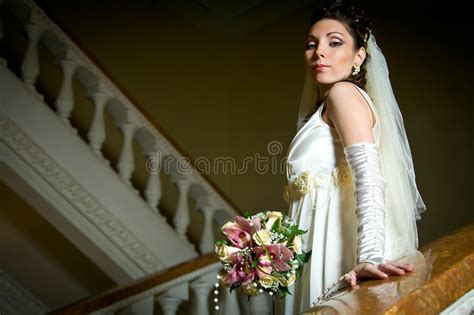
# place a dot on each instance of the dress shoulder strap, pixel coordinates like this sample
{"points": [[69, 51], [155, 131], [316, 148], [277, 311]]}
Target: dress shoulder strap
{"points": [[369, 101]]}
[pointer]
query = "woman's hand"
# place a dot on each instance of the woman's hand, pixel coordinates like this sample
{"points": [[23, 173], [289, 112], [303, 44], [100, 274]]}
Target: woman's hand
{"points": [[367, 270]]}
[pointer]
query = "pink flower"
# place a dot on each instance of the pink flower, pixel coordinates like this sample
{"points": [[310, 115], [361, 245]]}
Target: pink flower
{"points": [[264, 266], [249, 226], [279, 255], [240, 232], [240, 272]]}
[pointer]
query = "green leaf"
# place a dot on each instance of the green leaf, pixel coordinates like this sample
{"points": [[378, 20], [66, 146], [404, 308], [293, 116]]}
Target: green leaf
{"points": [[276, 225], [254, 264], [283, 291], [247, 214], [304, 257], [222, 242]]}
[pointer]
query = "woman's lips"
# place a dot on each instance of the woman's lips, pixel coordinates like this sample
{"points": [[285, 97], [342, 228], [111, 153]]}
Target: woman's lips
{"points": [[320, 67]]}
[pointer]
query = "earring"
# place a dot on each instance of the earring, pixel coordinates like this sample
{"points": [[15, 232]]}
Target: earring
{"points": [[356, 69]]}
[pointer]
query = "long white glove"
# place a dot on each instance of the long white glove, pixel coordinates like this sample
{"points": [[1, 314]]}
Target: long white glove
{"points": [[364, 161]]}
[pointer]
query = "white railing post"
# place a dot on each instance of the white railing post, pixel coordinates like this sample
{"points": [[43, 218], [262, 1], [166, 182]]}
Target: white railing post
{"points": [[126, 163], [261, 304], [169, 304], [142, 307], [201, 289], [172, 298], [231, 302], [181, 217], [30, 64], [151, 149], [96, 134], [208, 210], [65, 101], [153, 186]]}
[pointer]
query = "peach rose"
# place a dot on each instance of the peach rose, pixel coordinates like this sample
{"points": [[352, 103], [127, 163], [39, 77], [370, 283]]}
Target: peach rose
{"points": [[288, 281], [267, 281], [262, 237], [224, 252], [297, 244], [272, 217]]}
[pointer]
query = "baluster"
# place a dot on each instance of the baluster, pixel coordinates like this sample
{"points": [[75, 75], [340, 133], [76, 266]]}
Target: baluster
{"points": [[126, 162], [207, 237], [181, 216], [231, 303], [96, 134], [260, 304], [153, 186], [171, 299], [142, 307], [201, 289], [30, 65], [169, 304], [65, 101], [150, 148]]}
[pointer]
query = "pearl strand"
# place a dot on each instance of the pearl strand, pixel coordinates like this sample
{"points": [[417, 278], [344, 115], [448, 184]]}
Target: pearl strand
{"points": [[323, 296], [216, 294]]}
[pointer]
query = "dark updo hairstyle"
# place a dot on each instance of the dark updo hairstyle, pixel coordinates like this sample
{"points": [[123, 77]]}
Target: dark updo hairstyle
{"points": [[358, 25]]}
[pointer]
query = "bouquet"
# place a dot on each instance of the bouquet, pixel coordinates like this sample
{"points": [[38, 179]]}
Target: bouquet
{"points": [[261, 254]]}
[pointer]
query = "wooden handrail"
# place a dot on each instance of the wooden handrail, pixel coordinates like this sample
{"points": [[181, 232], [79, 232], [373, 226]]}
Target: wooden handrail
{"points": [[441, 276], [135, 287]]}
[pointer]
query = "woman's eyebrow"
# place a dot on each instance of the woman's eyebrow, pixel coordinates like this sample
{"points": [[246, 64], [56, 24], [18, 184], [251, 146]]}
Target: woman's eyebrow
{"points": [[330, 33], [327, 35]]}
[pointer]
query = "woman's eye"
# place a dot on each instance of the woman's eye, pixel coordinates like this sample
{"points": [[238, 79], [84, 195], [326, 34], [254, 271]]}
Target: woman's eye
{"points": [[310, 45], [335, 44]]}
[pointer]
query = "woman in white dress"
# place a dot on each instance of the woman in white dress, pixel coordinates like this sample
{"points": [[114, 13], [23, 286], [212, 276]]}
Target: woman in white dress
{"points": [[351, 182]]}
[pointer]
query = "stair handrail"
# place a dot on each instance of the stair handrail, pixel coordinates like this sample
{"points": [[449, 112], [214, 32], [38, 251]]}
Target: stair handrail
{"points": [[151, 285]]}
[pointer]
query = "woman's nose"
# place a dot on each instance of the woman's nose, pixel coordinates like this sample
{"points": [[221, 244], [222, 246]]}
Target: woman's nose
{"points": [[318, 52]]}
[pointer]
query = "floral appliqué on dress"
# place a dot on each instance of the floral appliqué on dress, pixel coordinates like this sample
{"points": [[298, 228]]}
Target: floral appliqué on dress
{"points": [[305, 182]]}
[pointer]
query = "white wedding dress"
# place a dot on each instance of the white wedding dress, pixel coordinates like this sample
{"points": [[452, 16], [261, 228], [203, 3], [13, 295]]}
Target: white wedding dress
{"points": [[326, 210]]}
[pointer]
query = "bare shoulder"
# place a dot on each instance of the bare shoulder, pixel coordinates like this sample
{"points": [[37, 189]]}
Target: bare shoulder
{"points": [[345, 95], [349, 111]]}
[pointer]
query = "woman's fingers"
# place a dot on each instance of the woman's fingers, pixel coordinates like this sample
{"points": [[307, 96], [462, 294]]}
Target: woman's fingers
{"points": [[392, 270], [377, 272], [396, 269], [351, 279], [404, 266], [366, 270], [370, 271]]}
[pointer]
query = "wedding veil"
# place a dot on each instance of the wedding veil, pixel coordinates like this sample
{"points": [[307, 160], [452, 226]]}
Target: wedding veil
{"points": [[403, 203]]}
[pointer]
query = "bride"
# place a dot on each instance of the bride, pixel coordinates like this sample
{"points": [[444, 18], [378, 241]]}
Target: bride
{"points": [[351, 182]]}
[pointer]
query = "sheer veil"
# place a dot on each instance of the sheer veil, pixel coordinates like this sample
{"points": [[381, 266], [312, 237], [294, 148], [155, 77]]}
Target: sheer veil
{"points": [[403, 203]]}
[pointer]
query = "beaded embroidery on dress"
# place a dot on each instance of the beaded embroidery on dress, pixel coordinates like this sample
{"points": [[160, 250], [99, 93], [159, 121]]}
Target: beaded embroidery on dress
{"points": [[320, 194]]}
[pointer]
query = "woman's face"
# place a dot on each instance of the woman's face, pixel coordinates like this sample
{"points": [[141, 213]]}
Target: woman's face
{"points": [[330, 53]]}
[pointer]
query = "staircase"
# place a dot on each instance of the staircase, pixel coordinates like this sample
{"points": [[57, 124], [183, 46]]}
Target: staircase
{"points": [[92, 201]]}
